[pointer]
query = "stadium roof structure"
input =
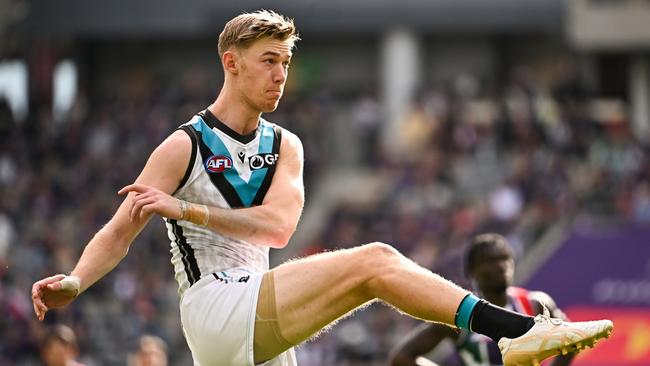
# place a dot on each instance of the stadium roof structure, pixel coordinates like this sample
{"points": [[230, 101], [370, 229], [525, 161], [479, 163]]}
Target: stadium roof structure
{"points": [[190, 18]]}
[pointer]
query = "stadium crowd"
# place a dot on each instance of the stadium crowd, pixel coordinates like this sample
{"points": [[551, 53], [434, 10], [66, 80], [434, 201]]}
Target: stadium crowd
{"points": [[510, 157]]}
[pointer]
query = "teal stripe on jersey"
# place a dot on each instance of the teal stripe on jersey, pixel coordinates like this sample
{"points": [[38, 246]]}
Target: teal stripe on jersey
{"points": [[245, 191], [257, 176]]}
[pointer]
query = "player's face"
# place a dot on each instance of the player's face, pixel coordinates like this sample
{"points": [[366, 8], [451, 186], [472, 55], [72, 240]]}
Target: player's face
{"points": [[263, 72], [494, 271]]}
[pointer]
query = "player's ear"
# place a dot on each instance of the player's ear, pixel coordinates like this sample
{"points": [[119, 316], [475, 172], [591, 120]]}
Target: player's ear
{"points": [[230, 61]]}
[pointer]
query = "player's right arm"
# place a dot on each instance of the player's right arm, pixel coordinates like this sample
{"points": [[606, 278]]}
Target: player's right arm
{"points": [[420, 341], [164, 170]]}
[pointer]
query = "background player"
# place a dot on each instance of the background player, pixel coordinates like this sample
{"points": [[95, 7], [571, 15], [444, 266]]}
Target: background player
{"points": [[490, 265]]}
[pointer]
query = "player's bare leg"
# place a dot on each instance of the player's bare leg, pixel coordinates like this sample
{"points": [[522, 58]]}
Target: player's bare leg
{"points": [[311, 293]]}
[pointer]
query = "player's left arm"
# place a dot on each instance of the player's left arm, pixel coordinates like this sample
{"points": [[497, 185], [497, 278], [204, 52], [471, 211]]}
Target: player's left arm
{"points": [[538, 300], [272, 223], [164, 170]]}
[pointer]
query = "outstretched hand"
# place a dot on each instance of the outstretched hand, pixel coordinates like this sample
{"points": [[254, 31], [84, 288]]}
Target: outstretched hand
{"points": [[148, 200], [53, 292]]}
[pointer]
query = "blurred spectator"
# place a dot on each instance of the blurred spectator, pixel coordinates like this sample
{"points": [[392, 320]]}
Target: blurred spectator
{"points": [[59, 347], [152, 351], [366, 119]]}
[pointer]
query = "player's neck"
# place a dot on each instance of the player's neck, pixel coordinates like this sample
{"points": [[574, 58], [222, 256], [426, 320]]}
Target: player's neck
{"points": [[235, 114]]}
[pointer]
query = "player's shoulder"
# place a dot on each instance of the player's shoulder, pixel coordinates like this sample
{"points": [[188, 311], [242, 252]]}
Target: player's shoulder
{"points": [[178, 139], [291, 137], [176, 148], [289, 140]]}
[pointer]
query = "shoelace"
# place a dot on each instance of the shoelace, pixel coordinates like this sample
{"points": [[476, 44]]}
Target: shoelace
{"points": [[546, 317]]}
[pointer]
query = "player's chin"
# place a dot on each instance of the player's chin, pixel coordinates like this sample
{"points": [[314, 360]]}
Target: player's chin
{"points": [[270, 106]]}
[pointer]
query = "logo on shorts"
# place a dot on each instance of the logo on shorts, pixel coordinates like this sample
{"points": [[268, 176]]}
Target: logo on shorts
{"points": [[228, 278], [260, 161], [218, 163]]}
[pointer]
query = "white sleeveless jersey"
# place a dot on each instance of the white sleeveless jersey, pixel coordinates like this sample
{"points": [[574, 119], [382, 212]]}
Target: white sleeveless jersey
{"points": [[226, 170]]}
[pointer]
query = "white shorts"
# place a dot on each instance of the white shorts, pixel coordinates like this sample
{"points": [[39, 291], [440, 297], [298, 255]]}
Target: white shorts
{"points": [[218, 318]]}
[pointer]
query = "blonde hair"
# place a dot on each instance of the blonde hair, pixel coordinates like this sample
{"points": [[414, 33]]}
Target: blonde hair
{"points": [[242, 30]]}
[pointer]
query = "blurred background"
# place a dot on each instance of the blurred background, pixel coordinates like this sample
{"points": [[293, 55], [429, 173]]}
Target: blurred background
{"points": [[424, 123]]}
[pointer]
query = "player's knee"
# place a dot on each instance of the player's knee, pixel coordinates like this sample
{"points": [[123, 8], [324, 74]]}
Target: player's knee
{"points": [[380, 261], [382, 252]]}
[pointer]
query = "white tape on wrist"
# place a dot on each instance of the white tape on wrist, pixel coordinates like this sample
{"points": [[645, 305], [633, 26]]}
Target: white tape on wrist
{"points": [[71, 283]]}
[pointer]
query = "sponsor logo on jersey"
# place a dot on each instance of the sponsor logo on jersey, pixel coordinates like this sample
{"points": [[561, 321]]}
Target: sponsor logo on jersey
{"points": [[241, 155], [218, 163], [260, 161]]}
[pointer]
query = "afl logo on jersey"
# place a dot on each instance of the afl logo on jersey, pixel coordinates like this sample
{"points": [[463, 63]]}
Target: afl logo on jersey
{"points": [[260, 161], [218, 163]]}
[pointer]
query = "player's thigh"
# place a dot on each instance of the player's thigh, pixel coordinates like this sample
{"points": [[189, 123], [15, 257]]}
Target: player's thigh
{"points": [[313, 292]]}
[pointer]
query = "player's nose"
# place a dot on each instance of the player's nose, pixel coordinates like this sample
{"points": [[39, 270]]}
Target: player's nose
{"points": [[279, 74]]}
